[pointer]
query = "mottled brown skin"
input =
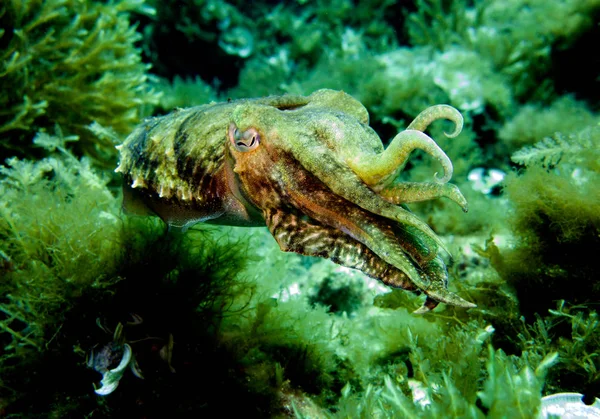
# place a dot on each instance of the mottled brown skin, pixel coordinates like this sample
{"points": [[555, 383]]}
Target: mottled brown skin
{"points": [[311, 169]]}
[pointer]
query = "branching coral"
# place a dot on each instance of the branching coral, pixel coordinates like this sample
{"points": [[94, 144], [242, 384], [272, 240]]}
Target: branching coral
{"points": [[70, 63]]}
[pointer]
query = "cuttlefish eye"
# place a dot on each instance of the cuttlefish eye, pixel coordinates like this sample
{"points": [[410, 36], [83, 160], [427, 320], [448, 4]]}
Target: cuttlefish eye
{"points": [[243, 141]]}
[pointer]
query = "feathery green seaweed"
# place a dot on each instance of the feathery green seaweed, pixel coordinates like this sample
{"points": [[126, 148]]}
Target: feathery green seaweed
{"points": [[70, 63]]}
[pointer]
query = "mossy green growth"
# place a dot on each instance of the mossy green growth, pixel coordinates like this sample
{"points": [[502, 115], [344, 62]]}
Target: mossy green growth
{"points": [[70, 63], [515, 37], [182, 93], [556, 221], [245, 334], [511, 387], [292, 33], [533, 122], [60, 233], [69, 261], [341, 362]]}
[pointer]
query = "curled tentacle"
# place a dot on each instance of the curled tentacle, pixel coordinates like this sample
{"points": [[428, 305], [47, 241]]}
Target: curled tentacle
{"points": [[378, 169], [433, 113]]}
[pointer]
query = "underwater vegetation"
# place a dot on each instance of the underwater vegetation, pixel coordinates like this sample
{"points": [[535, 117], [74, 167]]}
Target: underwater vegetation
{"points": [[222, 310], [71, 64]]}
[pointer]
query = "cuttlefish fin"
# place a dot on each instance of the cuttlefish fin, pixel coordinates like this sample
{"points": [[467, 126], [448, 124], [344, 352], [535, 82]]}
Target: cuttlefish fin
{"points": [[178, 216], [133, 202]]}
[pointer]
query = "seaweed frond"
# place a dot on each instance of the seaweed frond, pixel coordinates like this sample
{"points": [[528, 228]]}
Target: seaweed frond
{"points": [[71, 63], [547, 152], [59, 235], [511, 393], [573, 332], [575, 148]]}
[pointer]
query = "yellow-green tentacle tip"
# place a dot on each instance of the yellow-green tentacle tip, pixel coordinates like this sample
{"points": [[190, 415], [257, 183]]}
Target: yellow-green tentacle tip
{"points": [[433, 113]]}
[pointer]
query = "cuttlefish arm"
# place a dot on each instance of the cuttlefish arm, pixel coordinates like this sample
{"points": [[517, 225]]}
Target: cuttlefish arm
{"points": [[370, 234], [407, 192], [376, 169], [344, 182], [332, 147], [294, 234], [379, 168], [310, 238]]}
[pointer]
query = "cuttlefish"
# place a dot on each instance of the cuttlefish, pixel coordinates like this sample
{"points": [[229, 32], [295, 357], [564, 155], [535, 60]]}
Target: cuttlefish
{"points": [[311, 169]]}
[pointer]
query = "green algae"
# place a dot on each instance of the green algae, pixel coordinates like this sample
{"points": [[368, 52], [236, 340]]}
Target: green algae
{"points": [[70, 63]]}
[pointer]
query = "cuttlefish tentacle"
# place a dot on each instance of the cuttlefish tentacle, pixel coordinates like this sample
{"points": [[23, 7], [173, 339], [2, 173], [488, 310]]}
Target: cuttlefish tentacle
{"points": [[437, 274], [344, 182], [381, 242], [389, 241], [386, 239], [317, 148], [433, 113], [308, 237], [378, 169], [294, 234], [407, 192]]}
